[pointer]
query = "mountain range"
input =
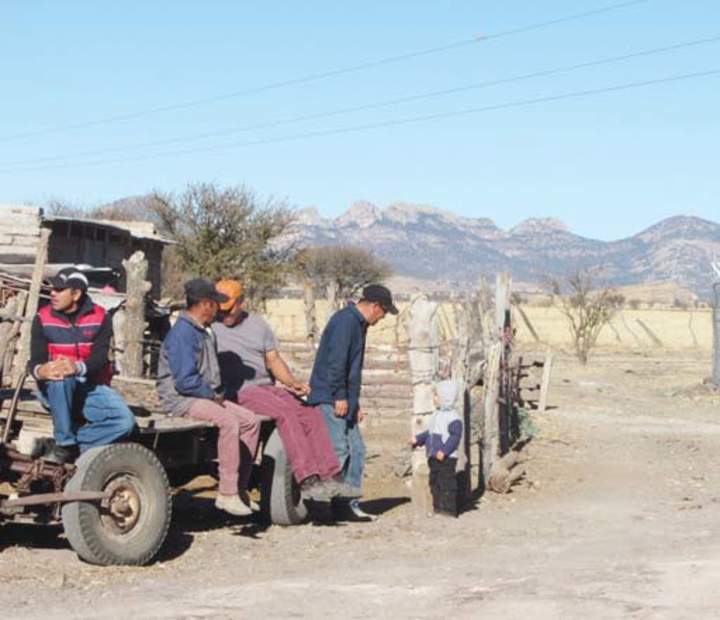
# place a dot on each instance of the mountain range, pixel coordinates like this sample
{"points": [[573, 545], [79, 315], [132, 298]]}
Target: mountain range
{"points": [[426, 243]]}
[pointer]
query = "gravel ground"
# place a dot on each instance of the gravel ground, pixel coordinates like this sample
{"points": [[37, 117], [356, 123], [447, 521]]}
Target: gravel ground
{"points": [[617, 518]]}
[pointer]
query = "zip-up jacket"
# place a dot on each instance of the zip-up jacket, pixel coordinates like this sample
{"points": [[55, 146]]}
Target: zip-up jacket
{"points": [[82, 337], [188, 367], [337, 372], [445, 426]]}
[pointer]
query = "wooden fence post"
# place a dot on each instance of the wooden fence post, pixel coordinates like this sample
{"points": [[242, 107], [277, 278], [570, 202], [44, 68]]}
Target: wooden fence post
{"points": [[31, 306], [650, 333], [332, 297], [459, 373], [492, 440], [136, 268], [545, 384], [716, 336], [310, 316], [491, 426], [9, 330], [423, 357]]}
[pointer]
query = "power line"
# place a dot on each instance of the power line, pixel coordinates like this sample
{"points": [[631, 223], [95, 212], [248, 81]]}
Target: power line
{"points": [[313, 77], [371, 106], [385, 124]]}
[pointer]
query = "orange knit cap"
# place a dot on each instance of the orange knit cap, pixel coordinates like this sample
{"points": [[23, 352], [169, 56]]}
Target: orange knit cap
{"points": [[233, 289]]}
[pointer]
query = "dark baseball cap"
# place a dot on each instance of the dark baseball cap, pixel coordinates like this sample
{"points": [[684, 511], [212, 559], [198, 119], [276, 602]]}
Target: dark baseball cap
{"points": [[380, 294], [200, 288], [70, 277]]}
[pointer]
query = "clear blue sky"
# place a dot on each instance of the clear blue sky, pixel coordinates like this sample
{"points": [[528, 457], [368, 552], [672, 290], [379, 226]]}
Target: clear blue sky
{"points": [[608, 165]]}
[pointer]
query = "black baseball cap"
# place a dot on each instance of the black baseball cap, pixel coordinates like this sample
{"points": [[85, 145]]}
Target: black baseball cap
{"points": [[70, 277], [380, 294], [200, 288]]}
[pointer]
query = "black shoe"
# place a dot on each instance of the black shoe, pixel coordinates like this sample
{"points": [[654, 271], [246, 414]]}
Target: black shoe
{"points": [[351, 511], [61, 454]]}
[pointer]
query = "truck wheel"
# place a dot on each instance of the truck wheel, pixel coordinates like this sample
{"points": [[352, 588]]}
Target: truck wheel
{"points": [[130, 526], [280, 494]]}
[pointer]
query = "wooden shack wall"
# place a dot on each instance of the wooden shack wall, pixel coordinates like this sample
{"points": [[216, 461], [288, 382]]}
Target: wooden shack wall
{"points": [[19, 234]]}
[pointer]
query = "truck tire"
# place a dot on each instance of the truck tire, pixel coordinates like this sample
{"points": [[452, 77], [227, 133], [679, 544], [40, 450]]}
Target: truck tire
{"points": [[130, 526], [280, 499]]}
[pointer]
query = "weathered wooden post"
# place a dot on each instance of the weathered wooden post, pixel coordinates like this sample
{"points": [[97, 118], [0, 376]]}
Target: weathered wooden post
{"points": [[31, 306], [9, 329], [545, 383], [460, 369], [716, 336], [495, 356], [136, 268], [332, 297], [310, 316], [423, 357]]}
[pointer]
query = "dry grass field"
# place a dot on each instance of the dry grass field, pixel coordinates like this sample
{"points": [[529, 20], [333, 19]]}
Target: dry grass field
{"points": [[674, 327]]}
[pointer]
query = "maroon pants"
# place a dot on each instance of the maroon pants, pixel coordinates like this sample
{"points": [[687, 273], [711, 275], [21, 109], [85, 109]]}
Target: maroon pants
{"points": [[301, 427], [237, 441]]}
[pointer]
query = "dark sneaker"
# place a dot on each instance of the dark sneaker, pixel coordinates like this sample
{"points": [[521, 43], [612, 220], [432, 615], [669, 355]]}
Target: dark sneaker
{"points": [[358, 513], [61, 454], [350, 511]]}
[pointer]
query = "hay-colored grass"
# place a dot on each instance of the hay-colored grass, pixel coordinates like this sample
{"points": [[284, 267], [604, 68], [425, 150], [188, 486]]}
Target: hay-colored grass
{"points": [[670, 325]]}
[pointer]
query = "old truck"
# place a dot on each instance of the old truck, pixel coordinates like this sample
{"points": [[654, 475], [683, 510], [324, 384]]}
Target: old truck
{"points": [[115, 502]]}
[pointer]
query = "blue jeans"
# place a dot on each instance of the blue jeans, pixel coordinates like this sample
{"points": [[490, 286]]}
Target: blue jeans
{"points": [[107, 417], [348, 443]]}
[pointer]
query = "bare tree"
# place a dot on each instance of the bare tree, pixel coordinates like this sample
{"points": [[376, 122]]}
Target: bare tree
{"points": [[346, 268], [229, 232], [586, 308]]}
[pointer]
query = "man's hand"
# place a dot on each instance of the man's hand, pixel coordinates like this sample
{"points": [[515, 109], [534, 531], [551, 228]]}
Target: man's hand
{"points": [[66, 366], [219, 399], [56, 370], [341, 408], [360, 415], [298, 388], [49, 372], [440, 456]]}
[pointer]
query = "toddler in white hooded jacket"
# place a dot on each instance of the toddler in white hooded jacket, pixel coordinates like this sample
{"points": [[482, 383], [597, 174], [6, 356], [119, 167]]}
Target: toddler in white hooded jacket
{"points": [[441, 442]]}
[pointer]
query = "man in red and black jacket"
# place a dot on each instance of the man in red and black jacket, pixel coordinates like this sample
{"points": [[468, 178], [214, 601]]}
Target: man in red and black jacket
{"points": [[69, 360]]}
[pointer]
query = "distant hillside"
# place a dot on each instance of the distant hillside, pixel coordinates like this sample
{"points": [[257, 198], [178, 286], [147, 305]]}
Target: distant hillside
{"points": [[427, 243]]}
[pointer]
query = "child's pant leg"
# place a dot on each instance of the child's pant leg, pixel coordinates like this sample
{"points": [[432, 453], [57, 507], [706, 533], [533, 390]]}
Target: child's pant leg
{"points": [[443, 486]]}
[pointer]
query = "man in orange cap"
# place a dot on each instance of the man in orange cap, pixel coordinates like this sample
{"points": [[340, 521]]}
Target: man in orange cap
{"points": [[251, 366]]}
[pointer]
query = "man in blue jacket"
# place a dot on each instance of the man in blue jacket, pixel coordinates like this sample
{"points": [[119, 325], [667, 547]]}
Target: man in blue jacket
{"points": [[337, 377], [189, 383]]}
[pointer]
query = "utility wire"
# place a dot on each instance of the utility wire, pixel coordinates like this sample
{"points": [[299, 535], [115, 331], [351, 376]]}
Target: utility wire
{"points": [[385, 124], [370, 106], [313, 77]]}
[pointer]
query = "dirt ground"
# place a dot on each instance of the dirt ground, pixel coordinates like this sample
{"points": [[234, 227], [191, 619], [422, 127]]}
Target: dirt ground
{"points": [[618, 517]]}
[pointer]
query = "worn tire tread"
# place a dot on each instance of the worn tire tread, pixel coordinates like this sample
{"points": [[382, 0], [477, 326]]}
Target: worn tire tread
{"points": [[78, 519]]}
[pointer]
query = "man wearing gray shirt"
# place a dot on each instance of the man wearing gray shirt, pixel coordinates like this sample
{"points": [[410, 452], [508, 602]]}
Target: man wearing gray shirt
{"points": [[251, 365]]}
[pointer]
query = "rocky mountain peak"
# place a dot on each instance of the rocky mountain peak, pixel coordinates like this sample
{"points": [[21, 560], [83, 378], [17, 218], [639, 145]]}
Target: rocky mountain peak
{"points": [[538, 226], [362, 214]]}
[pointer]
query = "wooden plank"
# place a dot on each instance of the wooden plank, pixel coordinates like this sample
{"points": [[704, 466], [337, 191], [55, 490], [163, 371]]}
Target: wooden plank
{"points": [[491, 426], [23, 354], [8, 348], [650, 333], [528, 324], [545, 383], [716, 336], [17, 255], [136, 268], [311, 327], [422, 352]]}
